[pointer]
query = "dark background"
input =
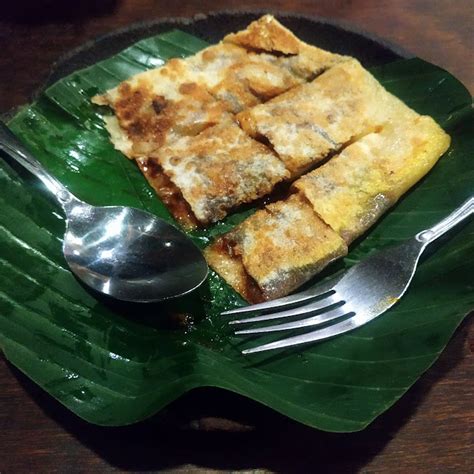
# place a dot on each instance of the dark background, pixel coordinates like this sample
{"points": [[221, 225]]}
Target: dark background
{"points": [[431, 429]]}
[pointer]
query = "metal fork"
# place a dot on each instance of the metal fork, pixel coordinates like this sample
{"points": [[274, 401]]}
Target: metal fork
{"points": [[351, 300]]}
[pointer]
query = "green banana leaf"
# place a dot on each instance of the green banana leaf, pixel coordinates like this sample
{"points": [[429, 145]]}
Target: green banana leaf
{"points": [[116, 363]]}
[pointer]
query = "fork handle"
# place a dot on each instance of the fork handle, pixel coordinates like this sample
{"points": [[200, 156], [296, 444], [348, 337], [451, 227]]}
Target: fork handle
{"points": [[458, 215]]}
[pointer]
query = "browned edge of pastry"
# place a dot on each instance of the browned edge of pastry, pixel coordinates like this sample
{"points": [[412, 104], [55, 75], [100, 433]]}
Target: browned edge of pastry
{"points": [[168, 192], [221, 256]]}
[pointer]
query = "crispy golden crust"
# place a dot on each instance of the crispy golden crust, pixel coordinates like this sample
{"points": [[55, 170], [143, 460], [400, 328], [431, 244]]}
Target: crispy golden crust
{"points": [[254, 81], [168, 192], [246, 76], [310, 62], [220, 169], [221, 258], [353, 189], [306, 123], [279, 247], [118, 138], [266, 34], [156, 106], [299, 143]]}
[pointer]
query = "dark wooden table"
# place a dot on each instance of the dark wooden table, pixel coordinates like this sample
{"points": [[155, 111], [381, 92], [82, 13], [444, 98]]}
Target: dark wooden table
{"points": [[430, 430]]}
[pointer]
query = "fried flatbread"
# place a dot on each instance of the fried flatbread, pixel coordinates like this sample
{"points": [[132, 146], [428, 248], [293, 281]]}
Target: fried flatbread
{"points": [[312, 120], [275, 250], [159, 112], [352, 190], [220, 169], [187, 95], [223, 127]]}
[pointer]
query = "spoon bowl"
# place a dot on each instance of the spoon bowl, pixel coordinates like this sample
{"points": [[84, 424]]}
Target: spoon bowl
{"points": [[130, 254], [123, 252]]}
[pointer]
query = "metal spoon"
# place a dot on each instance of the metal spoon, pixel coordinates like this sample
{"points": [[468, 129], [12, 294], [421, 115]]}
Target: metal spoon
{"points": [[123, 252]]}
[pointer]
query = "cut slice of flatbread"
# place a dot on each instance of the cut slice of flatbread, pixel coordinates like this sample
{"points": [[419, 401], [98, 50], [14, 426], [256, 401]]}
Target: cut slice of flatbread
{"points": [[158, 106], [352, 190], [275, 250], [220, 169], [310, 121]]}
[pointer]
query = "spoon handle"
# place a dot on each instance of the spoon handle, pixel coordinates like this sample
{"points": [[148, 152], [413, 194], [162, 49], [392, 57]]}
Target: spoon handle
{"points": [[11, 145]]}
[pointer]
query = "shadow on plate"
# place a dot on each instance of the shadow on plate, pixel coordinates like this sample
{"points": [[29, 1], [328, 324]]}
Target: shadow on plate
{"points": [[173, 314]]}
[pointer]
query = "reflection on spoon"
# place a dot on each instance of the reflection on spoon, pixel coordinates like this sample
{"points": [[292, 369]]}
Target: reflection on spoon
{"points": [[126, 253]]}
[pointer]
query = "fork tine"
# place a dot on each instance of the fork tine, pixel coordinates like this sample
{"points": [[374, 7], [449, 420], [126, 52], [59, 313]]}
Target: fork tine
{"points": [[318, 335], [328, 300], [313, 292], [302, 323]]}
